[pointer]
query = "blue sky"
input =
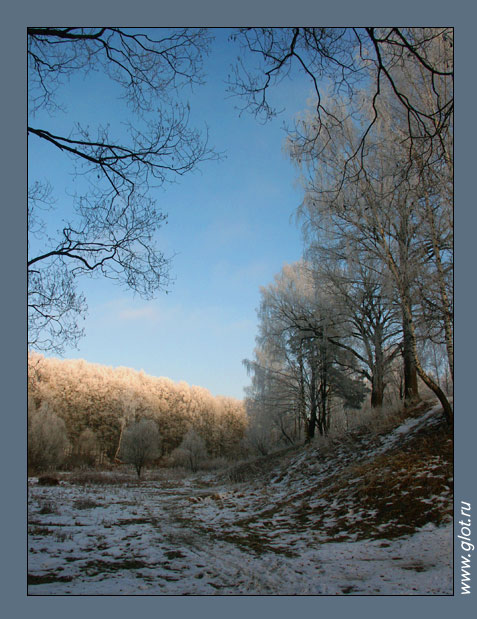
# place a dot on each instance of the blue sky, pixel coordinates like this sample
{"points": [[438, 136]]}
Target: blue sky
{"points": [[230, 229]]}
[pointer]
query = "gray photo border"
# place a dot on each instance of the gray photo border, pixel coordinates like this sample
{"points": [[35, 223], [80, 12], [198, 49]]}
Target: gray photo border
{"points": [[16, 18]]}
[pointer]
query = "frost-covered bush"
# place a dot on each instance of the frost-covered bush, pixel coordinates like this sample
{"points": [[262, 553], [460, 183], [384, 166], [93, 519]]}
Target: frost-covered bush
{"points": [[47, 439], [140, 444], [192, 452]]}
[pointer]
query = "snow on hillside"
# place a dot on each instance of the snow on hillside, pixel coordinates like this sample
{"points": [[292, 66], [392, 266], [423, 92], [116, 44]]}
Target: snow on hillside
{"points": [[371, 515]]}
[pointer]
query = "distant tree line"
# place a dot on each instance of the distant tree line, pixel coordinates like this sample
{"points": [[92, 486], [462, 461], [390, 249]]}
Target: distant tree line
{"points": [[90, 407]]}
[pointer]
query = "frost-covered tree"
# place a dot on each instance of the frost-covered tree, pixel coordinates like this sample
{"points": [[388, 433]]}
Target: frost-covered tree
{"points": [[296, 354], [396, 217], [140, 444], [47, 439], [379, 146]]}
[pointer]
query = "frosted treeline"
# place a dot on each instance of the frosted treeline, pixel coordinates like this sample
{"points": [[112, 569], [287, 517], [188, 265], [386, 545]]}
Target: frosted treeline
{"points": [[97, 403]]}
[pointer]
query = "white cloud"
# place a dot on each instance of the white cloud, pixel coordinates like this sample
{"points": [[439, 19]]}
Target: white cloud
{"points": [[148, 313], [121, 310]]}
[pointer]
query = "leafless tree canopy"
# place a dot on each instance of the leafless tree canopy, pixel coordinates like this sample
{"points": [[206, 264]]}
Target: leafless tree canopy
{"points": [[112, 224], [342, 62]]}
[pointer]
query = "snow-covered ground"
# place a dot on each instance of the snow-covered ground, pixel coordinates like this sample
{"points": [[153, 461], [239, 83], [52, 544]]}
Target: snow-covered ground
{"points": [[204, 535]]}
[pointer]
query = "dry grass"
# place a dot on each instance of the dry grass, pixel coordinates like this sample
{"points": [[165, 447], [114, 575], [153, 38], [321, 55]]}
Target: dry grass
{"points": [[86, 503], [401, 491], [396, 492], [48, 507], [100, 478], [376, 421], [384, 495], [258, 468], [41, 579], [48, 480], [368, 426]]}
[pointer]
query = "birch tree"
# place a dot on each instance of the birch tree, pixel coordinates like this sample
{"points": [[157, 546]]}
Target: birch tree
{"points": [[296, 333], [388, 214]]}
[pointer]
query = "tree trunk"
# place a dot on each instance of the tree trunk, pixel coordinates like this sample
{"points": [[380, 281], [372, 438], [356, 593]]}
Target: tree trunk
{"points": [[302, 401], [324, 406], [411, 340], [313, 408], [410, 335], [118, 449], [448, 412], [377, 382], [377, 392], [410, 387], [447, 313]]}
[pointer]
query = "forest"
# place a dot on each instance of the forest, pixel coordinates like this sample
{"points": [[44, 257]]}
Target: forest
{"points": [[77, 412]]}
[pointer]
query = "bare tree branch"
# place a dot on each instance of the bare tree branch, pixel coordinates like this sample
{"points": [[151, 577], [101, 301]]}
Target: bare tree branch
{"points": [[111, 231]]}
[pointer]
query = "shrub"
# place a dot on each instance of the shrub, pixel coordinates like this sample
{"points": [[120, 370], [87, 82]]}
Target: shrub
{"points": [[86, 503], [48, 507], [99, 478]]}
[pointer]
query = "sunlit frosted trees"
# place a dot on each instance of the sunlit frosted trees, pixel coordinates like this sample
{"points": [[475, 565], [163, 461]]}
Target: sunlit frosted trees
{"points": [[93, 399]]}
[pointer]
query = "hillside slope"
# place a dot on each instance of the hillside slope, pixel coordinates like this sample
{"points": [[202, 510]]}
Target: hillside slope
{"points": [[362, 486]]}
